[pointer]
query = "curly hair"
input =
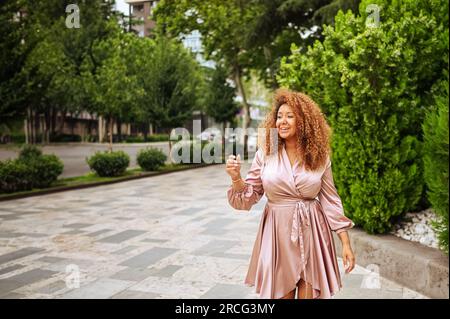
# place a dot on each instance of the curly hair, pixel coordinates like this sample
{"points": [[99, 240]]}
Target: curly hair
{"points": [[313, 131]]}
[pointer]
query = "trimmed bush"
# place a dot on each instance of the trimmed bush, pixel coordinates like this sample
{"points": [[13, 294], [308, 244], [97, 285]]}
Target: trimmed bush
{"points": [[373, 84], [44, 169], [150, 159], [29, 151], [15, 176], [109, 164], [436, 160], [30, 170]]}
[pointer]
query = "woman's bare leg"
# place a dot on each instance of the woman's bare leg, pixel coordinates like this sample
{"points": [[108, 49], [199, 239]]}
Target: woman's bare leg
{"points": [[304, 290], [290, 295]]}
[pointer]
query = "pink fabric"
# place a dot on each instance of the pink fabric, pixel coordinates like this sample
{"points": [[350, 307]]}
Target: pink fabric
{"points": [[294, 238]]}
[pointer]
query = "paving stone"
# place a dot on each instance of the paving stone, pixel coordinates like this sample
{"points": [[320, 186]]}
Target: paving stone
{"points": [[24, 252], [10, 269], [23, 279], [122, 236], [167, 271], [10, 235], [53, 287], [51, 259], [148, 257], [154, 240], [74, 232], [77, 225], [133, 274], [125, 250], [100, 289], [98, 232], [215, 246]]}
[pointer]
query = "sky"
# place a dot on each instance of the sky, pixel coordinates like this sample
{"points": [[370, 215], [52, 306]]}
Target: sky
{"points": [[122, 6]]}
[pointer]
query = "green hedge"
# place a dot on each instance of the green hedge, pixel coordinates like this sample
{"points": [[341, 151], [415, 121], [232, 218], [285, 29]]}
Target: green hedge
{"points": [[373, 85], [150, 159], [29, 151], [436, 161], [30, 170], [109, 164], [15, 176], [150, 138]]}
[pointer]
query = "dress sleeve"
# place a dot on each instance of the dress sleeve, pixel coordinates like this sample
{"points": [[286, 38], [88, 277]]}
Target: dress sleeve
{"points": [[332, 204], [253, 190]]}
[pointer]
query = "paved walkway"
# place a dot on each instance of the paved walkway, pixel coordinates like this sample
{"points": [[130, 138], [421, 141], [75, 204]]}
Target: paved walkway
{"points": [[169, 236]]}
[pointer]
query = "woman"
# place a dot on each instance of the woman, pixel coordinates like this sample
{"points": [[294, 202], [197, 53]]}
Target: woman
{"points": [[294, 246]]}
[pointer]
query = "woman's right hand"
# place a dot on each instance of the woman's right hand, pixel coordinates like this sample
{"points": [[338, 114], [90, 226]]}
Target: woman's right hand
{"points": [[233, 166]]}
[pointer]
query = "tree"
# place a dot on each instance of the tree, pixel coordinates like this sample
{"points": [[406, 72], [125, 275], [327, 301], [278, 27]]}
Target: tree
{"points": [[219, 102], [172, 80], [13, 52], [45, 57], [279, 23], [113, 86], [221, 25]]}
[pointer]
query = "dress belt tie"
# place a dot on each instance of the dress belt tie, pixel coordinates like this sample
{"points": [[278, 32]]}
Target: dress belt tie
{"points": [[301, 215]]}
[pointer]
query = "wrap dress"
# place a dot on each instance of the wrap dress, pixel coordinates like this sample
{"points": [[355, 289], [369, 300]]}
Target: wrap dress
{"points": [[294, 239]]}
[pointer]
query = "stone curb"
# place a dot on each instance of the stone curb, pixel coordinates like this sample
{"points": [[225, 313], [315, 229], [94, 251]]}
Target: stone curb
{"points": [[95, 184], [410, 264]]}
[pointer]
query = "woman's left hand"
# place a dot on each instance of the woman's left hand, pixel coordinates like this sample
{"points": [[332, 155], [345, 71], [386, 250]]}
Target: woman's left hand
{"points": [[348, 257]]}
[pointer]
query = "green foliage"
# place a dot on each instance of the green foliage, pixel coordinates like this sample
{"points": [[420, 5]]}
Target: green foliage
{"points": [[150, 138], [373, 84], [172, 76], [14, 176], [109, 164], [29, 152], [30, 170], [436, 161], [44, 169], [220, 97], [151, 159]]}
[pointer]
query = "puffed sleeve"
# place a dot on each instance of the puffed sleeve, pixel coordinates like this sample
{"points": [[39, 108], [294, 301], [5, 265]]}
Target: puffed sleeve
{"points": [[253, 190], [332, 204]]}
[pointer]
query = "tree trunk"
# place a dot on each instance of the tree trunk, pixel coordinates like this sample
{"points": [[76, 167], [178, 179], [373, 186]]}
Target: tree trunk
{"points": [[25, 129], [36, 126], [246, 118], [61, 124], [268, 56], [30, 125], [53, 121], [110, 133], [119, 130], [145, 130], [47, 121]]}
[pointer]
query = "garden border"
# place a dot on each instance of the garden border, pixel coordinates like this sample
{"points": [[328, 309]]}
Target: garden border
{"points": [[410, 264]]}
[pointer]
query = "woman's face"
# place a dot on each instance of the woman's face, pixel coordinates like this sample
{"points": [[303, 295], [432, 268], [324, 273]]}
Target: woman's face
{"points": [[286, 122]]}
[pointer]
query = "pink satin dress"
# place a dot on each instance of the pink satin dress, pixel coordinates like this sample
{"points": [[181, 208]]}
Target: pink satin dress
{"points": [[294, 239]]}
